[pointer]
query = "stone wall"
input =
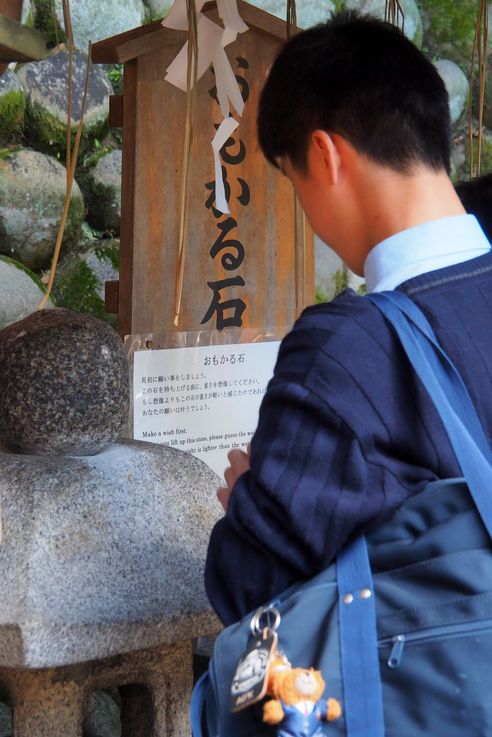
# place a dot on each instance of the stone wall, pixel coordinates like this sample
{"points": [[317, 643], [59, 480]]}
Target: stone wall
{"points": [[33, 141]]}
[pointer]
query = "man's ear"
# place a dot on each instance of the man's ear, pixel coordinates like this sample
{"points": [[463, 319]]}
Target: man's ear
{"points": [[325, 155]]}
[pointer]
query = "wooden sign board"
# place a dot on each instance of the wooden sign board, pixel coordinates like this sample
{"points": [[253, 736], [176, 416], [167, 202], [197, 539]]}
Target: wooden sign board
{"points": [[252, 268]]}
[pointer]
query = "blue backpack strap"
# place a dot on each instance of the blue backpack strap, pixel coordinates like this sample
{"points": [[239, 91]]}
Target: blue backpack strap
{"points": [[362, 691], [448, 393], [360, 669], [461, 400], [197, 705]]}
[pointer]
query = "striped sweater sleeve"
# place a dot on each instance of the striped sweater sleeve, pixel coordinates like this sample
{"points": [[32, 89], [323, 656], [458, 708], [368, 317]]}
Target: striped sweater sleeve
{"points": [[305, 493], [293, 510]]}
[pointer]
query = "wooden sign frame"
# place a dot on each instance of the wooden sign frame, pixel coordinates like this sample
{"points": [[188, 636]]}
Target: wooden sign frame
{"points": [[262, 254]]}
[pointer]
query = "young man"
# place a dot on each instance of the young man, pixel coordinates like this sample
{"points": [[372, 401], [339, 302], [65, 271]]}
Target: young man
{"points": [[358, 119]]}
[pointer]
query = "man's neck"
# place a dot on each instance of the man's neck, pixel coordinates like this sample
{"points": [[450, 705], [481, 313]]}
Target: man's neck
{"points": [[383, 202], [356, 203], [390, 202], [430, 246]]}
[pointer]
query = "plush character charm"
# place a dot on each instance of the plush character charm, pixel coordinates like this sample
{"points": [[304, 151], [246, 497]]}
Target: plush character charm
{"points": [[297, 707]]}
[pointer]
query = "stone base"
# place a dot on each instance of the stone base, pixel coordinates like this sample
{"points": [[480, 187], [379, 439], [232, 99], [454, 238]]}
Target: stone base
{"points": [[155, 687], [103, 554]]}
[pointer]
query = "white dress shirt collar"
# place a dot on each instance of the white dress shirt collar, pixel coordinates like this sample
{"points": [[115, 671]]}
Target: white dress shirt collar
{"points": [[432, 245]]}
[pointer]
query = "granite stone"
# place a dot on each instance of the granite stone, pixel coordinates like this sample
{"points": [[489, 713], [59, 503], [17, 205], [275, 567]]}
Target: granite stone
{"points": [[93, 20], [102, 258], [65, 384], [456, 84], [9, 82], [104, 200], [158, 8], [45, 84], [412, 19], [20, 291], [81, 278], [103, 554], [103, 716], [32, 194], [309, 12], [5, 720], [154, 686]]}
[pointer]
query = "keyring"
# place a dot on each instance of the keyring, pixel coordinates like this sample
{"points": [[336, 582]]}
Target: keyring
{"points": [[255, 624]]}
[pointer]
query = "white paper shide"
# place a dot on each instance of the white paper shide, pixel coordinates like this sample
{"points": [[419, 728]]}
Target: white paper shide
{"points": [[212, 41]]}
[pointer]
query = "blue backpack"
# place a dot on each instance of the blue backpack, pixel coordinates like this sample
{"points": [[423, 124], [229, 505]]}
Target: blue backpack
{"points": [[401, 624]]}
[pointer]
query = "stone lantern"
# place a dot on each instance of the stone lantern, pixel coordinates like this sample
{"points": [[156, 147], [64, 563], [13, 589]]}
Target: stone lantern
{"points": [[103, 539]]}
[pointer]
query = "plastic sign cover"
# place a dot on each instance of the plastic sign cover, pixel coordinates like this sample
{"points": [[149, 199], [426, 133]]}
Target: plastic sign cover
{"points": [[204, 400]]}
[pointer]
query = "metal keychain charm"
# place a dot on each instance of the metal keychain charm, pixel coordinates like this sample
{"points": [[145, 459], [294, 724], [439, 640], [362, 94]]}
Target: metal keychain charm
{"points": [[250, 679]]}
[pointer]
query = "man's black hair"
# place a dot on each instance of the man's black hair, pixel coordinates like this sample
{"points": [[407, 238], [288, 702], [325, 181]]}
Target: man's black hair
{"points": [[363, 79], [476, 198]]}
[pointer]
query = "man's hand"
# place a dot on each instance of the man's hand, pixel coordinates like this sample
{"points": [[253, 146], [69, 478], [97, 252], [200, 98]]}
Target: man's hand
{"points": [[239, 460]]}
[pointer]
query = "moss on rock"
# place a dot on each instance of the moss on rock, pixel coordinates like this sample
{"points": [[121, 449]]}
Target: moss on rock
{"points": [[102, 188], [110, 253], [12, 108], [115, 76], [103, 212], [47, 134], [45, 20], [75, 218], [35, 278], [449, 29], [339, 281], [79, 284], [96, 152], [45, 85], [486, 154], [320, 297], [76, 289], [6, 153]]}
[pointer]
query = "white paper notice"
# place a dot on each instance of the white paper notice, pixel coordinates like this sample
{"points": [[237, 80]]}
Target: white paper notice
{"points": [[202, 400]]}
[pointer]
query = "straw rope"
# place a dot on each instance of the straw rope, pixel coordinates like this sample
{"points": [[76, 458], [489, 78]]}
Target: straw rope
{"points": [[67, 22], [479, 58], [68, 194], [299, 229], [291, 18], [191, 84], [394, 14]]}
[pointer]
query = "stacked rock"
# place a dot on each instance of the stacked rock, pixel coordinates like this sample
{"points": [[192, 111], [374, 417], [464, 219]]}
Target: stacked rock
{"points": [[65, 386]]}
